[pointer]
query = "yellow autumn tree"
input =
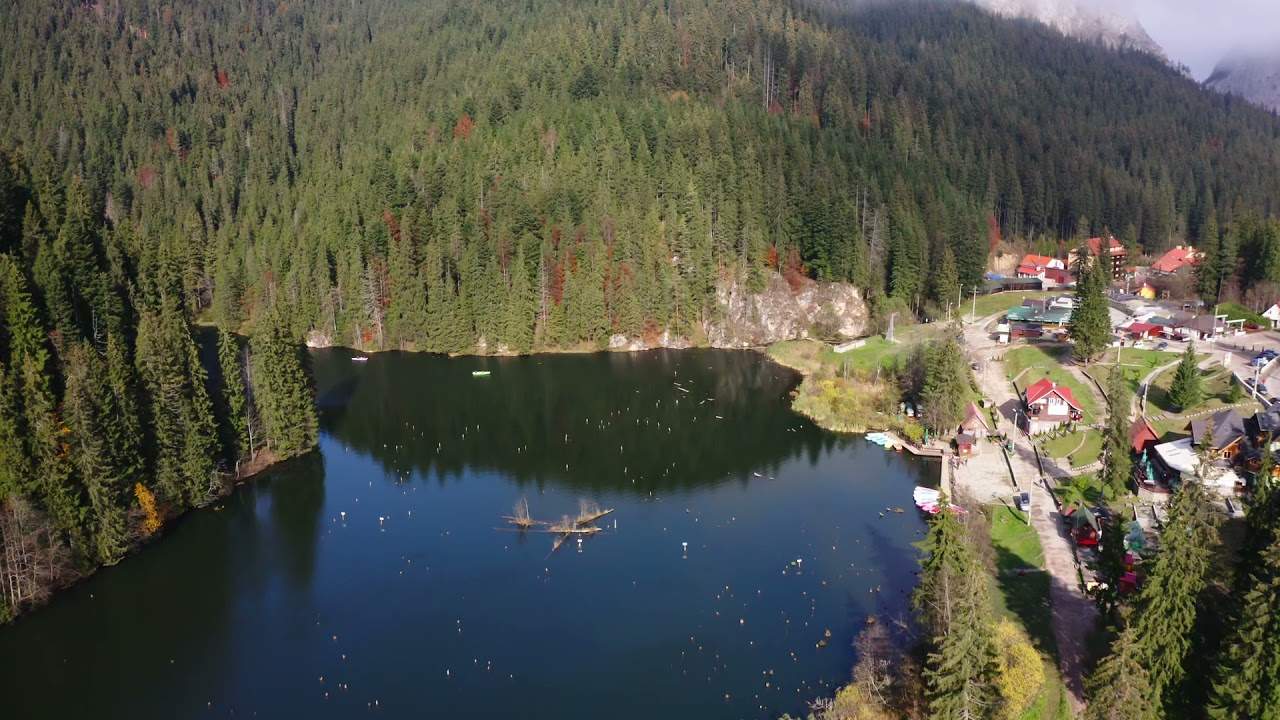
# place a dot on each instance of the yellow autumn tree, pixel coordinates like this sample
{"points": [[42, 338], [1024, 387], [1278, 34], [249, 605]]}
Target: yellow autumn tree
{"points": [[151, 520], [1021, 670]]}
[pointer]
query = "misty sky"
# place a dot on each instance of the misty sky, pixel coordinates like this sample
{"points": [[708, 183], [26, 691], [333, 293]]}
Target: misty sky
{"points": [[1197, 33]]}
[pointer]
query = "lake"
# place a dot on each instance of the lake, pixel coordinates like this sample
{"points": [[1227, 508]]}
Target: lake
{"points": [[377, 575]]}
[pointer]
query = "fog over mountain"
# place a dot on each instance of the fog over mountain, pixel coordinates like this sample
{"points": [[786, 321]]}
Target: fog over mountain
{"points": [[1254, 76], [1109, 23]]}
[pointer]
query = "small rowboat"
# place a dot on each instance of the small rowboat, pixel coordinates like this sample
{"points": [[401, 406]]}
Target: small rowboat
{"points": [[480, 373]]}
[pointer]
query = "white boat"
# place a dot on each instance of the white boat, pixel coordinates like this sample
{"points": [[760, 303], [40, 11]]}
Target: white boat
{"points": [[359, 358], [480, 373]]}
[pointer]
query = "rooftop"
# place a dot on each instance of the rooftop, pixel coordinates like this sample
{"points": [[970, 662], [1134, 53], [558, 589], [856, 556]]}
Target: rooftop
{"points": [[1228, 427], [1045, 386]]}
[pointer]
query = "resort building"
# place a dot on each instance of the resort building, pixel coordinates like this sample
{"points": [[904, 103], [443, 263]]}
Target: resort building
{"points": [[1049, 406]]}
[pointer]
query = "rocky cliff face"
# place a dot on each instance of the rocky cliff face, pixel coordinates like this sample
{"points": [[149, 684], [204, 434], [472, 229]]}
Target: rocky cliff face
{"points": [[778, 313], [747, 319], [1254, 77], [1080, 20]]}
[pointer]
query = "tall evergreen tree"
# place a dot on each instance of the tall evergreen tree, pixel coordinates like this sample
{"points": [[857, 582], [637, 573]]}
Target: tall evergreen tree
{"points": [[234, 399], [961, 667], [282, 392], [1116, 461], [1091, 321], [1247, 679], [1160, 634], [1186, 391]]}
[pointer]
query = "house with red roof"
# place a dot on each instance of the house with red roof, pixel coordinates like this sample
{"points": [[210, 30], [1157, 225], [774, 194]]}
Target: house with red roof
{"points": [[1176, 259], [1143, 330], [1049, 406], [1036, 266]]}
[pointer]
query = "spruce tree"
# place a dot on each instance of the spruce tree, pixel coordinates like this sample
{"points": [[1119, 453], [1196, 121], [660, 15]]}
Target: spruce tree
{"points": [[1120, 688], [946, 385], [1210, 270], [1116, 461], [88, 411], [1090, 326], [15, 463], [1165, 618], [234, 398], [282, 392], [961, 666], [1186, 392], [182, 425], [1247, 679]]}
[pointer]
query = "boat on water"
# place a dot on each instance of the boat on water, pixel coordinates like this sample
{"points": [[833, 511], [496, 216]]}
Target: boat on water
{"points": [[481, 373], [884, 440], [359, 358]]}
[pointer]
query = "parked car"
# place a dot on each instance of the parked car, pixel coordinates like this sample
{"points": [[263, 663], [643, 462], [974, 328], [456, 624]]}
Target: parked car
{"points": [[1162, 346], [1023, 501]]}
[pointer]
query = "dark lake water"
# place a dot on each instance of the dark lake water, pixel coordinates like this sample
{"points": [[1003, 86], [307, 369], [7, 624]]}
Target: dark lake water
{"points": [[375, 577]]}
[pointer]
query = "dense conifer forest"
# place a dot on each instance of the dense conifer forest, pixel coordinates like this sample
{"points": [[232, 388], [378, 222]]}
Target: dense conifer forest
{"points": [[477, 176]]}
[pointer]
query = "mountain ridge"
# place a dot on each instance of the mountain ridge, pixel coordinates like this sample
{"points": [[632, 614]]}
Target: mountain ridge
{"points": [[1075, 20], [1249, 75]]}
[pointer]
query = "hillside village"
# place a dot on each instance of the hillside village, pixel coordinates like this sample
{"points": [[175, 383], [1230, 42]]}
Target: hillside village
{"points": [[1035, 432]]}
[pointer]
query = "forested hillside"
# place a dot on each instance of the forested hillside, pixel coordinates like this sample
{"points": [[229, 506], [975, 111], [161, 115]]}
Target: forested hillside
{"points": [[438, 174], [109, 425], [464, 176]]}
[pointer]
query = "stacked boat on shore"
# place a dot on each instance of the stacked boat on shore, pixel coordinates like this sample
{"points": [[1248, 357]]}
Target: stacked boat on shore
{"points": [[928, 500]]}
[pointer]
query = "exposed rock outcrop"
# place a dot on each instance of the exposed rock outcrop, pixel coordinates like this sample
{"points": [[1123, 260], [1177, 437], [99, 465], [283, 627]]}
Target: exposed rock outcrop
{"points": [[779, 313], [1254, 77], [745, 319], [1081, 20]]}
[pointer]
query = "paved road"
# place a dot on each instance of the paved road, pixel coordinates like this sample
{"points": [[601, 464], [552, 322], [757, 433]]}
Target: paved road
{"points": [[1074, 614]]}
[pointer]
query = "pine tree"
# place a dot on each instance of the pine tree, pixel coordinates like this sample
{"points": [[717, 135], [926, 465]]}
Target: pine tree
{"points": [[87, 406], [233, 395], [182, 425], [1120, 688], [1116, 461], [1247, 680], [15, 463], [961, 667], [282, 392], [1165, 619], [1186, 392], [946, 285], [517, 322], [945, 387], [1090, 327], [1209, 272]]}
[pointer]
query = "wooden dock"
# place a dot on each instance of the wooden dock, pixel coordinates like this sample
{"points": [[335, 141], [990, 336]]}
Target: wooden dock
{"points": [[935, 453]]}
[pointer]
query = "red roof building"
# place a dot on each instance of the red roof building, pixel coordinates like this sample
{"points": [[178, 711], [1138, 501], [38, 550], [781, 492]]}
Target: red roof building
{"points": [[1110, 250], [1038, 266], [1050, 405], [1059, 276], [1176, 259], [1141, 330], [1142, 436]]}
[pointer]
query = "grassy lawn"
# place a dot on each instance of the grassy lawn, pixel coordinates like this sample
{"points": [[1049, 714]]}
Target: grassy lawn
{"points": [[1088, 441], [1040, 362], [1024, 597], [1236, 311], [1137, 364], [1217, 394], [999, 302], [809, 356]]}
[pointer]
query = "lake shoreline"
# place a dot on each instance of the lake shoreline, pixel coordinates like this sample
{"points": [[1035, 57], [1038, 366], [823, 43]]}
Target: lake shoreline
{"points": [[241, 479]]}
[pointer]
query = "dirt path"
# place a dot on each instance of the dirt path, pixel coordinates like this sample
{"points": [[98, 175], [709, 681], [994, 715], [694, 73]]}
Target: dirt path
{"points": [[1074, 614]]}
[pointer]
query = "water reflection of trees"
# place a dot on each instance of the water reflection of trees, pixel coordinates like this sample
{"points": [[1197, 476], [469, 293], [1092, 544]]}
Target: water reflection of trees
{"points": [[623, 414]]}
